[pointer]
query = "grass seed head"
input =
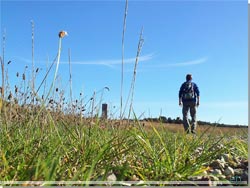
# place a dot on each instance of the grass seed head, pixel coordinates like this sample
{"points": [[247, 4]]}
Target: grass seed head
{"points": [[62, 34], [16, 89], [10, 96]]}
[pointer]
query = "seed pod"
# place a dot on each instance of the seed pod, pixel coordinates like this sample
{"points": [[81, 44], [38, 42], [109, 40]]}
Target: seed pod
{"points": [[37, 70], [16, 89], [9, 62], [56, 89], [17, 74], [10, 96], [23, 76]]}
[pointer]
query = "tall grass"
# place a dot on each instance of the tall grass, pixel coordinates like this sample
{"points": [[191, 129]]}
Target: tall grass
{"points": [[70, 77], [2, 63], [132, 88], [62, 150], [33, 63], [122, 65]]}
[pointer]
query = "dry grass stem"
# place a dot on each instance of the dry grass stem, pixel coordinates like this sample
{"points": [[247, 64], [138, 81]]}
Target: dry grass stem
{"points": [[122, 68]]}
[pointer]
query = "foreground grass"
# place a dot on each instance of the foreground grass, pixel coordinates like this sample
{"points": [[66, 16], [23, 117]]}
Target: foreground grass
{"points": [[92, 151]]}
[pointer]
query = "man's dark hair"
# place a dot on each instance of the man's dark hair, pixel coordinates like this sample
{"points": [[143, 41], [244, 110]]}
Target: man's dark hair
{"points": [[189, 77]]}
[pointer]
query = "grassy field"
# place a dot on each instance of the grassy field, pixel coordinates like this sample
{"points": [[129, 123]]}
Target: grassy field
{"points": [[94, 151]]}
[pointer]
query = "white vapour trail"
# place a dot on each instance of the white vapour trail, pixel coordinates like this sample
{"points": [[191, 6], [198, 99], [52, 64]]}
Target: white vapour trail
{"points": [[102, 62], [182, 64], [111, 63]]}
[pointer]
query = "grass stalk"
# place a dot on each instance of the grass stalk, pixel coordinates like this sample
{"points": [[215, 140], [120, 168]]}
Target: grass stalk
{"points": [[45, 83], [55, 75], [93, 106], [122, 68], [70, 77], [33, 63], [140, 44], [2, 64], [47, 73]]}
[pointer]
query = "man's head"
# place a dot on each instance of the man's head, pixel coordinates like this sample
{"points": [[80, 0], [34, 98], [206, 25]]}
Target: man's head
{"points": [[188, 77]]}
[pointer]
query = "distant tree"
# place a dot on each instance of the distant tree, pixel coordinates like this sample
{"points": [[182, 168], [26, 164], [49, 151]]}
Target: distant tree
{"points": [[178, 120], [163, 119], [170, 120]]}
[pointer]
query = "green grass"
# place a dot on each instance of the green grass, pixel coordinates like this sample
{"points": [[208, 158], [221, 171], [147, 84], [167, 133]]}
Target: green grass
{"points": [[89, 152]]}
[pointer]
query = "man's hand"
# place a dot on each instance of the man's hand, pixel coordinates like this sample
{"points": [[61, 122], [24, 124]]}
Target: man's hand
{"points": [[180, 102], [198, 103]]}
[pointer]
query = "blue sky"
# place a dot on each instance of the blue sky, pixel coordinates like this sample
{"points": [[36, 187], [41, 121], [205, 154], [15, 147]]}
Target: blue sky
{"points": [[205, 38]]}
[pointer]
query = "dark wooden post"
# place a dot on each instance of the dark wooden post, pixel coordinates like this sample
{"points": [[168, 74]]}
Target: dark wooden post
{"points": [[104, 111]]}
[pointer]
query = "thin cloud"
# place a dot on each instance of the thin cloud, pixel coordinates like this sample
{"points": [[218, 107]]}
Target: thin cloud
{"points": [[112, 63], [105, 62], [162, 66], [185, 63], [188, 63]]}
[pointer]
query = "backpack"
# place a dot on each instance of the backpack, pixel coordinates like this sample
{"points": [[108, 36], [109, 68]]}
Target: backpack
{"points": [[188, 90]]}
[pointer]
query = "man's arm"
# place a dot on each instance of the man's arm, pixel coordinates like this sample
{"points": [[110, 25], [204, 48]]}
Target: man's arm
{"points": [[180, 95], [198, 95], [180, 101], [198, 101]]}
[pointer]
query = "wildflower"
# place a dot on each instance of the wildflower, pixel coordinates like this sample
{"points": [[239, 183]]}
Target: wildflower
{"points": [[62, 34]]}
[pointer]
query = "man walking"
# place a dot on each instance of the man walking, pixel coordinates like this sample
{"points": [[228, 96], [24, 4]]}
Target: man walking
{"points": [[189, 98]]}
